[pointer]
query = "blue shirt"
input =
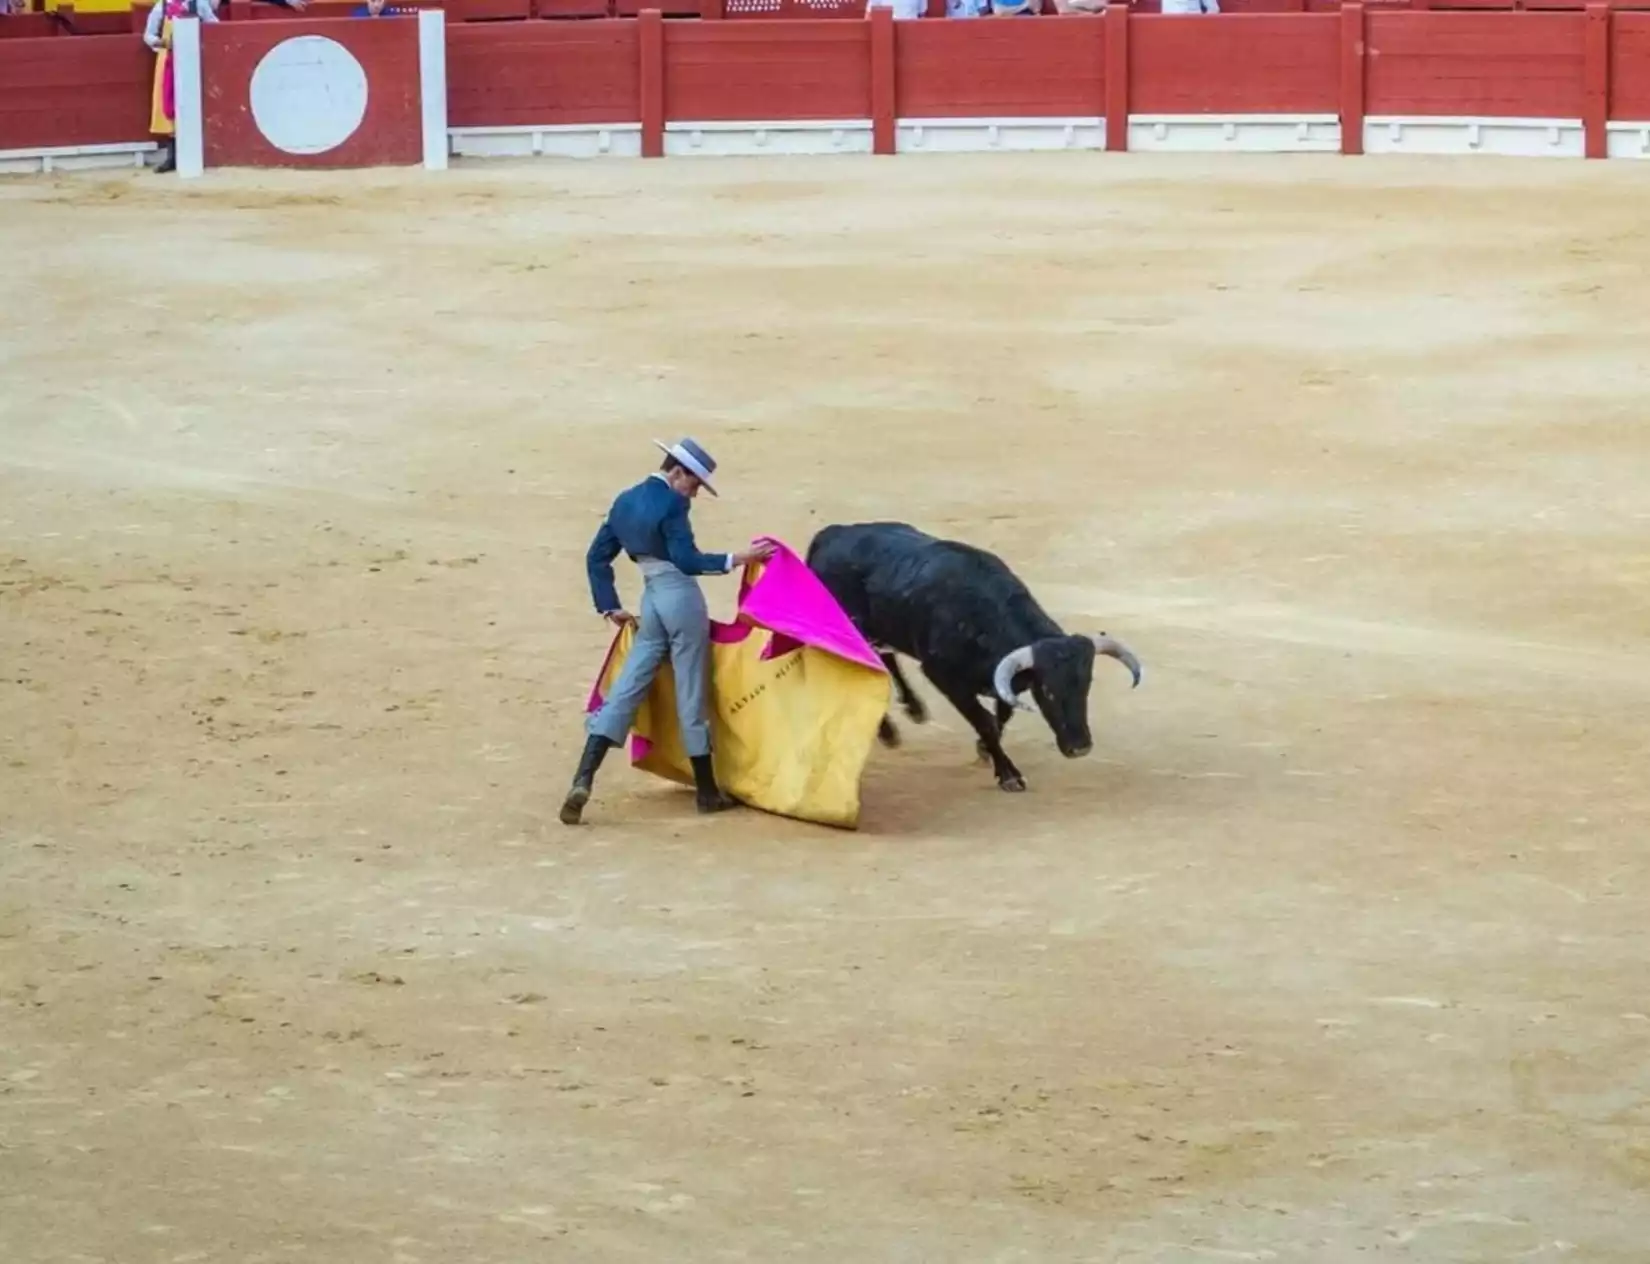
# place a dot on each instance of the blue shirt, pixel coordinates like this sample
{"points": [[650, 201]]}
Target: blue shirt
{"points": [[647, 520]]}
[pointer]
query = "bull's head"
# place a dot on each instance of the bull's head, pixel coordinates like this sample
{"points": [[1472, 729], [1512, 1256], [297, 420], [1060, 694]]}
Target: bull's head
{"points": [[1058, 670]]}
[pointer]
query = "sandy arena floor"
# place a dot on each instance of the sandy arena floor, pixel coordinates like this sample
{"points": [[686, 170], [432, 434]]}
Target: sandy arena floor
{"points": [[1337, 949]]}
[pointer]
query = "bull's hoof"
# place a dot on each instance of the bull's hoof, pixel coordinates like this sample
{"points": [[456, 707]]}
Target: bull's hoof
{"points": [[1014, 785], [888, 735]]}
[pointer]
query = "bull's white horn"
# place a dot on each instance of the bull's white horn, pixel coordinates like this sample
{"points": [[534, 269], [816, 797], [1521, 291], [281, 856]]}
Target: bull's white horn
{"points": [[1003, 680], [1111, 646]]}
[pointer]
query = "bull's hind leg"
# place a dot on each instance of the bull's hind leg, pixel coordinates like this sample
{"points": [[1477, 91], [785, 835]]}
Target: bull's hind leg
{"points": [[908, 700], [887, 734], [959, 696], [1004, 711]]}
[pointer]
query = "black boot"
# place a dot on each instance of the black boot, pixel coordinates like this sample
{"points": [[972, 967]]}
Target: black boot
{"points": [[710, 796], [584, 780], [169, 158]]}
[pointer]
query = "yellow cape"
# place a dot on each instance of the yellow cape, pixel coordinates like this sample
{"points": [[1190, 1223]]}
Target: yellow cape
{"points": [[790, 733]]}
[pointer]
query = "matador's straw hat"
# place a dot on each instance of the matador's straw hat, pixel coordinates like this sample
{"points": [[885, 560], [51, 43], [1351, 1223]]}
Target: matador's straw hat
{"points": [[693, 458]]}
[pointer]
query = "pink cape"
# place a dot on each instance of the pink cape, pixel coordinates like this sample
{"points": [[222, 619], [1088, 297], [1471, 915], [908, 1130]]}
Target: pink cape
{"points": [[788, 600]]}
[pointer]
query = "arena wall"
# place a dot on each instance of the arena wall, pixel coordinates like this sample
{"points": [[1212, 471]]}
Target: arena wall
{"points": [[1567, 81]]}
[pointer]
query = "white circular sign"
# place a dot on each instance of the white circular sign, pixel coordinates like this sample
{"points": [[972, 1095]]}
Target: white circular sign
{"points": [[309, 94]]}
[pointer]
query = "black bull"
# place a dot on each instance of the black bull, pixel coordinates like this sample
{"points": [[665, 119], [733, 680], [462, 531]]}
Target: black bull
{"points": [[972, 625]]}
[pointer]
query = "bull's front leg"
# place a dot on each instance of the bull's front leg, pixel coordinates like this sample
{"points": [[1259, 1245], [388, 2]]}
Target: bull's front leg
{"points": [[1004, 712], [961, 697]]}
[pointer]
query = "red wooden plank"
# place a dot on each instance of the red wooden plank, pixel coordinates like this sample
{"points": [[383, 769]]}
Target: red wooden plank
{"points": [[1051, 67], [650, 46], [1353, 67], [571, 8], [1501, 65], [669, 8], [28, 26], [1114, 81], [86, 90], [1630, 67], [542, 73], [751, 71], [456, 10], [316, 10], [790, 9], [111, 23], [884, 112], [1595, 88], [481, 10], [1254, 64]]}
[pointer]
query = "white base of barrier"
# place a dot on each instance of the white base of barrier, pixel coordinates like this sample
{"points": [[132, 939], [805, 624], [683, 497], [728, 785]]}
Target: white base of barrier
{"points": [[1013, 135], [1235, 133], [1627, 140], [1505, 137], [579, 140], [844, 136], [77, 158], [1213, 133]]}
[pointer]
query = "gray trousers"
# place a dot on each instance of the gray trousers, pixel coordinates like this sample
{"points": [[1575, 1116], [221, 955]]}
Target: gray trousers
{"points": [[673, 621]]}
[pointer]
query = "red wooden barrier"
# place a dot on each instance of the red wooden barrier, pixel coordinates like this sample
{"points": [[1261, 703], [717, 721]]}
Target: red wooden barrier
{"points": [[983, 69], [543, 73], [1591, 66], [1501, 65], [1261, 64], [88, 91], [1630, 66], [768, 70]]}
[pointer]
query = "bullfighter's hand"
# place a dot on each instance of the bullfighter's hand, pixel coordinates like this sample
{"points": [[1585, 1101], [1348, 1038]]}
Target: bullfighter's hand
{"points": [[760, 551], [620, 618]]}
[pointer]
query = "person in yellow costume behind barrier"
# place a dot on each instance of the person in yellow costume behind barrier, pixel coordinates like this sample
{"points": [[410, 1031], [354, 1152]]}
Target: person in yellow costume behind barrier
{"points": [[157, 33], [649, 522]]}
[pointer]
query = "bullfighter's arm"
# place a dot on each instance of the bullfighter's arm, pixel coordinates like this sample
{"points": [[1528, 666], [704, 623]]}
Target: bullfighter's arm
{"points": [[684, 553], [598, 564]]}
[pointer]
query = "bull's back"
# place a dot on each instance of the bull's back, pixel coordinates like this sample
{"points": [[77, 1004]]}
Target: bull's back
{"points": [[858, 545], [926, 597]]}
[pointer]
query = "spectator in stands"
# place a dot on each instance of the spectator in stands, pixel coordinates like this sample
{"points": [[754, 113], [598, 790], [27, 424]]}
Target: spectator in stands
{"points": [[157, 33], [377, 8], [1016, 8], [965, 8], [1191, 6], [903, 9]]}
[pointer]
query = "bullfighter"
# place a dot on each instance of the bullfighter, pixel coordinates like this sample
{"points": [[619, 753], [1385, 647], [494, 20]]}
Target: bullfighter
{"points": [[649, 523]]}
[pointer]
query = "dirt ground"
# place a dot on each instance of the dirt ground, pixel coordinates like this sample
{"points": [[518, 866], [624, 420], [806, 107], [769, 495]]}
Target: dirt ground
{"points": [[1335, 949]]}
